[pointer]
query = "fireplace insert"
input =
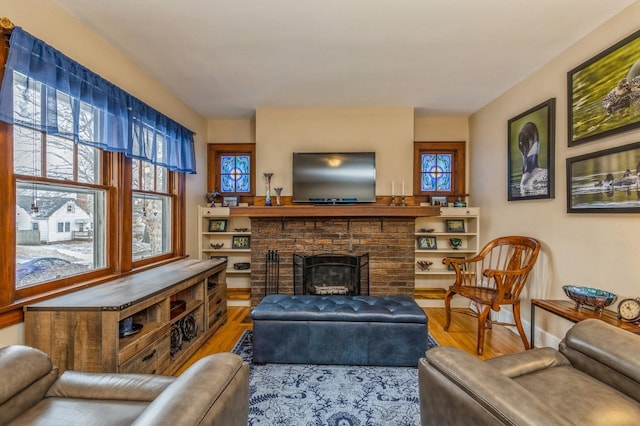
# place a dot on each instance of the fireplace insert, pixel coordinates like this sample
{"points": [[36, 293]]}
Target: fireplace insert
{"points": [[331, 274]]}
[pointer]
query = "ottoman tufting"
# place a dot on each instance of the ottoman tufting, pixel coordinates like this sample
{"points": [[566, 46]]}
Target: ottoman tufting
{"points": [[351, 330]]}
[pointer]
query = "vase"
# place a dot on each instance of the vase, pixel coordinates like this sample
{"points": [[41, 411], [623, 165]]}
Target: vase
{"points": [[455, 243], [267, 181], [278, 192]]}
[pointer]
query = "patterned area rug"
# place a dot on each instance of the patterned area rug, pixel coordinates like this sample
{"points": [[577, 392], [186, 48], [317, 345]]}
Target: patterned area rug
{"points": [[330, 395]]}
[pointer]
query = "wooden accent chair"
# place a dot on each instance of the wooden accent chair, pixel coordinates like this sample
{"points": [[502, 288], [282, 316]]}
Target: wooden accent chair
{"points": [[495, 277]]}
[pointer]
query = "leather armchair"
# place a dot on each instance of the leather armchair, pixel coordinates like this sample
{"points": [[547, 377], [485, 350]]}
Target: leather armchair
{"points": [[213, 391], [592, 379]]}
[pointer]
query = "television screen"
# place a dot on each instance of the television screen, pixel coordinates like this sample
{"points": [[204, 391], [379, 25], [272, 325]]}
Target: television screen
{"points": [[334, 178]]}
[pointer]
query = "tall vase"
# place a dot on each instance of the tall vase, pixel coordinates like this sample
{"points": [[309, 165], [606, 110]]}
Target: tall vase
{"points": [[278, 192], [267, 181]]}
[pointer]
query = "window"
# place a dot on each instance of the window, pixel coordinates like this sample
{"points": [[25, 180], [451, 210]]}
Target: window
{"points": [[47, 189], [52, 174], [151, 211], [235, 174], [71, 176], [232, 169], [40, 235], [439, 168]]}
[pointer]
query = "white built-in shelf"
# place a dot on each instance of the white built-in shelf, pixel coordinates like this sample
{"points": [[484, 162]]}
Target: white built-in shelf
{"points": [[234, 277]]}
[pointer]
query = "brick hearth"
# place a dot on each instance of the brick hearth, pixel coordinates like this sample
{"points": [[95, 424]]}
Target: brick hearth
{"points": [[389, 242]]}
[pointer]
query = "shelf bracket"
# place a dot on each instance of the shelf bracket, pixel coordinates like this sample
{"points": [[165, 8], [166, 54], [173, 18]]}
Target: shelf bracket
{"points": [[348, 224], [283, 221], [381, 224]]}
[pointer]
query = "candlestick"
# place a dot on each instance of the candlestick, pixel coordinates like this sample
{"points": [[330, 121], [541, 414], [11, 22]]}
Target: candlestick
{"points": [[393, 189], [403, 187]]}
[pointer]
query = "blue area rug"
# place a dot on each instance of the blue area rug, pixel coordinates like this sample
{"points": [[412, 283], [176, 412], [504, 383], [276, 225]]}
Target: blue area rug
{"points": [[330, 395]]}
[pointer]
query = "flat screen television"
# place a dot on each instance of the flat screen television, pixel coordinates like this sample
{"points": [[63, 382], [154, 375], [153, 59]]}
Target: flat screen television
{"points": [[334, 177]]}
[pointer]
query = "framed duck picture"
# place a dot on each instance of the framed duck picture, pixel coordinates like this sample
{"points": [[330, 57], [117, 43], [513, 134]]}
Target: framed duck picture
{"points": [[604, 93], [606, 181], [531, 153]]}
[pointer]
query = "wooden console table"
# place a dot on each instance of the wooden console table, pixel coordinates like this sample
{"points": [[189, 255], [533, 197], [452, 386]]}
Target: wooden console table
{"points": [[567, 310], [81, 330]]}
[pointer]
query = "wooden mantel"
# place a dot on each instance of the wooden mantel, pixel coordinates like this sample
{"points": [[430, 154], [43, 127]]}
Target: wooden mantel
{"points": [[336, 211]]}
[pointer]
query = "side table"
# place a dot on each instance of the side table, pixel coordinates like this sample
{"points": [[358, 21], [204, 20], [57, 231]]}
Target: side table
{"points": [[567, 310]]}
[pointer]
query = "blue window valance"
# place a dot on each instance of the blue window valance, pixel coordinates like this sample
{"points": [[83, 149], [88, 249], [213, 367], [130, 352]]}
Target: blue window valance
{"points": [[47, 91]]}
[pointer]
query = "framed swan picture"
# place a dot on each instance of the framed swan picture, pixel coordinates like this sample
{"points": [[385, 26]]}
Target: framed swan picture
{"points": [[531, 153]]}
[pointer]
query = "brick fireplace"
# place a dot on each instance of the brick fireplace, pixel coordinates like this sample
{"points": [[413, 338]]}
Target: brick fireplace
{"points": [[389, 242]]}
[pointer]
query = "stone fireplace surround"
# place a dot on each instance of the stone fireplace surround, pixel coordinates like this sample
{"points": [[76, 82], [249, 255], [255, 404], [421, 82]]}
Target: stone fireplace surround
{"points": [[389, 241]]}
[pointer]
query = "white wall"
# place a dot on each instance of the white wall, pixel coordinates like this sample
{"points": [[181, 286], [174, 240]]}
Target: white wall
{"points": [[387, 131], [441, 128], [597, 250]]}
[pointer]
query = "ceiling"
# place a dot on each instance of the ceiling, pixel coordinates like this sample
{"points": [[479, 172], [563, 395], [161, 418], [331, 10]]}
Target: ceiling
{"points": [[226, 58]]}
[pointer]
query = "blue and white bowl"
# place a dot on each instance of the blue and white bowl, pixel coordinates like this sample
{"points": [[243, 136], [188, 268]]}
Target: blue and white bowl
{"points": [[587, 296]]}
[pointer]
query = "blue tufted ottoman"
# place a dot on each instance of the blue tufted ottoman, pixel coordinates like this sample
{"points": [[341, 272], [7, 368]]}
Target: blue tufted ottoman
{"points": [[352, 330]]}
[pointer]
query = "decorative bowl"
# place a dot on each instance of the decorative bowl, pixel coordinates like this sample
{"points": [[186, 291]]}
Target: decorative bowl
{"points": [[587, 296], [424, 264], [216, 246]]}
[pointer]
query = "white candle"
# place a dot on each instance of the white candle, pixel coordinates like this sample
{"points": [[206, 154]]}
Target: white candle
{"points": [[403, 187], [393, 187]]}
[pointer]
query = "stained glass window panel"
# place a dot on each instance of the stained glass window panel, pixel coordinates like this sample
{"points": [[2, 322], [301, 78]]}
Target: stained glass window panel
{"points": [[235, 173], [242, 184], [436, 171], [228, 183], [228, 164]]}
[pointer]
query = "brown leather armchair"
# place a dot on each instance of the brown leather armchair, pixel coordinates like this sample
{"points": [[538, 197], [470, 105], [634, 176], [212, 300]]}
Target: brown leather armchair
{"points": [[213, 391], [592, 379]]}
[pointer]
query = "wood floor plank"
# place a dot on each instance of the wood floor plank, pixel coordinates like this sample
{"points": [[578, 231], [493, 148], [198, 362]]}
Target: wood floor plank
{"points": [[462, 334]]}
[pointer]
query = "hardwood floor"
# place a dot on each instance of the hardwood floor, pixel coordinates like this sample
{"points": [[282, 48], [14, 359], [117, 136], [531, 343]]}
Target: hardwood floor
{"points": [[462, 334]]}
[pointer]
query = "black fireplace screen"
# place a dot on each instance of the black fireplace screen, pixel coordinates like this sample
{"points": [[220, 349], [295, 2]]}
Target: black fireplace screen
{"points": [[328, 274]]}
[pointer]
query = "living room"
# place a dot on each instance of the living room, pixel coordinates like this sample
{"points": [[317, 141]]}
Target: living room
{"points": [[579, 249], [595, 250]]}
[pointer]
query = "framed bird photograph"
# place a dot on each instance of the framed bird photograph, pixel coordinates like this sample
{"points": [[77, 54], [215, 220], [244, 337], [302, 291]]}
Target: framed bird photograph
{"points": [[606, 181], [604, 92], [531, 153]]}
